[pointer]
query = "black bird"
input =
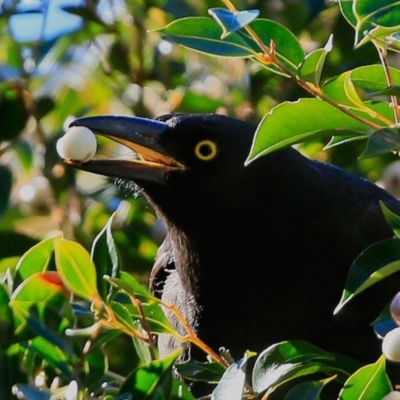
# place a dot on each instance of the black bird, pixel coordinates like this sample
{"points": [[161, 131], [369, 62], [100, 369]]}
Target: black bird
{"points": [[254, 254]]}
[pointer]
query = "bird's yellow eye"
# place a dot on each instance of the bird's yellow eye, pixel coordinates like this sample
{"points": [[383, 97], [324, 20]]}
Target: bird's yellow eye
{"points": [[206, 150]]}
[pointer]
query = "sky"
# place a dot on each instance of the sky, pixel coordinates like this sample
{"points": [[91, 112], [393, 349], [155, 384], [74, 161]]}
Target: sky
{"points": [[28, 25]]}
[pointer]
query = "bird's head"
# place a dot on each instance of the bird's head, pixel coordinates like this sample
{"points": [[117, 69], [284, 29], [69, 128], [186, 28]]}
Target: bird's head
{"points": [[184, 160]]}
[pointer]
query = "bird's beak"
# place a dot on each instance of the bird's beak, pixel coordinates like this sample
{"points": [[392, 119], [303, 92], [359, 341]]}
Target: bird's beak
{"points": [[143, 136]]}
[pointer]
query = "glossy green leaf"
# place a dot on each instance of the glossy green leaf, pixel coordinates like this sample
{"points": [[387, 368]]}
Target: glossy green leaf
{"points": [[36, 259], [232, 21], [369, 382], [232, 383], [142, 347], [295, 122], [6, 319], [204, 35], [201, 371], [393, 90], [382, 141], [54, 356], [133, 287], [123, 316], [392, 219], [346, 8], [155, 317], [373, 15], [339, 140], [106, 259], [375, 263], [311, 68], [76, 268], [6, 180], [151, 381], [285, 361], [43, 290], [287, 47], [308, 390]]}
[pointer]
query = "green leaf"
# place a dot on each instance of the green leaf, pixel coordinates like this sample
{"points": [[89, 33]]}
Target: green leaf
{"points": [[392, 219], [342, 88], [393, 90], [76, 268], [308, 390], [287, 47], [375, 263], [311, 68], [123, 316], [204, 35], [339, 140], [54, 355], [382, 141], [232, 382], [42, 290], [232, 21], [201, 371], [6, 319], [369, 382], [87, 13], [152, 380], [372, 16], [106, 259], [295, 122], [36, 259], [6, 180], [285, 361]]}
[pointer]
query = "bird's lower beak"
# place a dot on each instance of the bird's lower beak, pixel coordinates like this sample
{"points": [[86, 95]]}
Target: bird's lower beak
{"points": [[141, 135]]}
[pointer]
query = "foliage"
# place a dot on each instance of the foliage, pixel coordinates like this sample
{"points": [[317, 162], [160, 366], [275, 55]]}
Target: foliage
{"points": [[64, 310]]}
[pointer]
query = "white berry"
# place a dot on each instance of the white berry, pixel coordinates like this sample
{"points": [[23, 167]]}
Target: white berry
{"points": [[78, 143], [391, 345], [394, 395]]}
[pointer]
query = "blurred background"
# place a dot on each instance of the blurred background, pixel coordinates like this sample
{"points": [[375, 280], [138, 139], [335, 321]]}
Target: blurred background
{"points": [[63, 59]]}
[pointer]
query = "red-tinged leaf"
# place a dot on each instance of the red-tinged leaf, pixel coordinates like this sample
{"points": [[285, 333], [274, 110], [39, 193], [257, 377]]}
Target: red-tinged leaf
{"points": [[76, 268]]}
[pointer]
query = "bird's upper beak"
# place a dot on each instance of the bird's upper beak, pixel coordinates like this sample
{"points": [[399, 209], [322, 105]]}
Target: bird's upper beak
{"points": [[143, 136]]}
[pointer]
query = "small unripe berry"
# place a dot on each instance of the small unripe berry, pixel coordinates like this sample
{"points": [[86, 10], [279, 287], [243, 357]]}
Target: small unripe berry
{"points": [[391, 345], [78, 143]]}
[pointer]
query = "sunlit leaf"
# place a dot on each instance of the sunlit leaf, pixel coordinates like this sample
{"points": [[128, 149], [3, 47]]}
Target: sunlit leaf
{"points": [[374, 264], [54, 355], [76, 268], [294, 122], [204, 35], [369, 382], [36, 259], [232, 383], [106, 259], [392, 219], [285, 361], [232, 21], [311, 68], [6, 319], [153, 380]]}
